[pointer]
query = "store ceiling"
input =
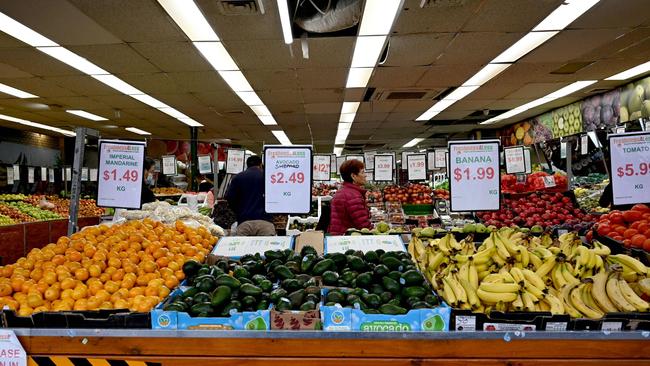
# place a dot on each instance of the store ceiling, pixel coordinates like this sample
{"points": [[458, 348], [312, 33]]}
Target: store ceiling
{"points": [[431, 50]]}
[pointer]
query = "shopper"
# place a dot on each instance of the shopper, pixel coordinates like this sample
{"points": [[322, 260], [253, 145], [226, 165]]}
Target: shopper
{"points": [[206, 184], [147, 180], [245, 197], [349, 209]]}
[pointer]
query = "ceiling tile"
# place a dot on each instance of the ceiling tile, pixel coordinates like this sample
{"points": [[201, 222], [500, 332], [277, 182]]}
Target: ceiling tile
{"points": [[613, 14], [535, 90], [322, 78], [572, 44], [443, 18], [397, 77], [39, 86], [280, 96], [35, 62], [81, 85], [484, 46], [322, 95], [506, 15], [447, 75], [8, 71], [417, 49], [257, 26], [173, 56], [272, 79], [115, 58]]}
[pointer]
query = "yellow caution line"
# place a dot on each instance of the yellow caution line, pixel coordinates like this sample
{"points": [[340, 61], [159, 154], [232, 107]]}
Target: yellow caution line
{"points": [[98, 362], [61, 361], [65, 361]]}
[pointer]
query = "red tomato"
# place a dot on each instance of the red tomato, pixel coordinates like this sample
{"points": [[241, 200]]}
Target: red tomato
{"points": [[603, 229], [629, 233], [620, 229], [627, 243], [647, 233], [641, 208], [616, 217], [646, 245], [638, 240], [632, 216], [643, 227], [618, 238]]}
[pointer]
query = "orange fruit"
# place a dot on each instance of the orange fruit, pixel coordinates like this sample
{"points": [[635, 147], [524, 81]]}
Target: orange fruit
{"points": [[34, 300], [118, 275], [81, 274], [111, 286], [6, 289], [103, 295], [66, 294], [94, 270], [50, 278], [68, 283], [25, 311], [52, 294], [80, 305], [171, 282], [80, 292], [136, 291]]}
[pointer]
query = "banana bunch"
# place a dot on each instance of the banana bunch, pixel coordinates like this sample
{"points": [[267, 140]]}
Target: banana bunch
{"points": [[512, 272]]}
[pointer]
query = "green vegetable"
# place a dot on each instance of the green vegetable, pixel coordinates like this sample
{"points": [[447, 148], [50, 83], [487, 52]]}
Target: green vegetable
{"points": [[234, 304], [248, 289], [335, 296], [371, 257], [266, 285], [307, 306], [307, 263], [201, 307], [391, 285], [220, 295], [330, 278], [356, 264], [283, 273], [414, 291], [308, 249], [227, 280], [277, 294], [364, 280], [392, 309], [391, 262], [291, 284], [381, 270], [296, 298], [206, 284], [274, 254], [283, 304], [412, 278], [191, 268], [249, 302], [323, 266]]}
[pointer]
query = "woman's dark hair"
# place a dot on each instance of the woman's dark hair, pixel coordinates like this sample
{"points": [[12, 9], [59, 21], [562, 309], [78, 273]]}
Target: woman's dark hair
{"points": [[350, 167], [148, 163]]}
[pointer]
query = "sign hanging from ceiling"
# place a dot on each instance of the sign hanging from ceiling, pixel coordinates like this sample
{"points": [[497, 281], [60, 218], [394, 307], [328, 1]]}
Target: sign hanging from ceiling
{"points": [[441, 158], [416, 167], [529, 165], [169, 165], [475, 180], [30, 175], [235, 161], [287, 179], [630, 167], [322, 168], [515, 160], [339, 161], [205, 164], [333, 165], [431, 160], [369, 158], [355, 157], [384, 165], [43, 174], [121, 168]]}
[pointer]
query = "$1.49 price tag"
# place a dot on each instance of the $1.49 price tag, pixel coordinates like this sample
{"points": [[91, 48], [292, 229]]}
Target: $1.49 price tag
{"points": [[475, 180], [630, 167], [120, 167]]}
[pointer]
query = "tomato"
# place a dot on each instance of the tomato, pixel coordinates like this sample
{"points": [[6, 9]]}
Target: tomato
{"points": [[643, 226], [603, 229], [629, 233], [638, 240], [620, 229], [618, 238], [627, 243], [641, 208], [616, 217], [646, 245], [647, 233], [632, 216]]}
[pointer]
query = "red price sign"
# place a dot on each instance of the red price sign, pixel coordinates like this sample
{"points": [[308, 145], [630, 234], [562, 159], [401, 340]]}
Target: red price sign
{"points": [[321, 168], [473, 174], [279, 178], [416, 165], [128, 176], [630, 170]]}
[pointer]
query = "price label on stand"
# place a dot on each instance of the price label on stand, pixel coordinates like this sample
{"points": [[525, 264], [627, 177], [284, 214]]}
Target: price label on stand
{"points": [[68, 174], [431, 160], [364, 243], [549, 181], [169, 165], [43, 174], [515, 160], [120, 169], [354, 157], [237, 246], [529, 165], [562, 150], [10, 175], [369, 160], [205, 164], [475, 180], [321, 169], [384, 165], [93, 175], [16, 169], [416, 166], [51, 174], [630, 168], [620, 130], [339, 161], [441, 158], [235, 161], [84, 174], [584, 145], [30, 175], [333, 165], [287, 179]]}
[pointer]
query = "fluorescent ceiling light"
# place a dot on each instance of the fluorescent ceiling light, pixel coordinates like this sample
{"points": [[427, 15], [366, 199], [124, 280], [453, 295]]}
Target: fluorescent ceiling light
{"points": [[344, 126], [281, 137], [190, 122], [358, 77], [337, 151], [190, 19], [236, 81], [630, 73], [215, 53], [283, 9], [149, 100], [367, 50], [250, 152], [137, 130], [436, 109], [73, 60], [84, 114], [378, 17], [350, 107], [117, 84], [460, 92], [341, 136], [267, 120], [260, 110], [571, 88], [413, 142], [347, 117], [36, 125], [15, 92], [250, 98], [173, 112], [565, 14], [486, 74], [523, 46], [23, 33]]}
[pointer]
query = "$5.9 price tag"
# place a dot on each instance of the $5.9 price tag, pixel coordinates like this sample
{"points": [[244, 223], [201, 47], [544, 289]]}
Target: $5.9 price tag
{"points": [[630, 167], [475, 180], [121, 166]]}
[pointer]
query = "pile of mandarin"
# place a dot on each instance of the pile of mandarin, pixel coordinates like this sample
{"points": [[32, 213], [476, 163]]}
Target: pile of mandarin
{"points": [[127, 266]]}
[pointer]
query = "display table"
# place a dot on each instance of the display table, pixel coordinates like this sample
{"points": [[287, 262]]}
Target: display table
{"points": [[325, 348]]}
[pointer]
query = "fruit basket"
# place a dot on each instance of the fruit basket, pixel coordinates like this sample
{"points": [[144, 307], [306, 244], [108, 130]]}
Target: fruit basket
{"points": [[417, 210]]}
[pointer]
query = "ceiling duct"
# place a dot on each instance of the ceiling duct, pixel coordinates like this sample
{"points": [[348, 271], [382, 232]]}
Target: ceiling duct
{"points": [[405, 94], [327, 16], [241, 7]]}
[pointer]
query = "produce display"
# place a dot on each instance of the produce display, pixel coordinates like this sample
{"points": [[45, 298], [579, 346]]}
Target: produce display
{"points": [[630, 228], [168, 214], [301, 226], [323, 189], [5, 220], [124, 266], [34, 212], [413, 193], [588, 198], [375, 197], [544, 210], [635, 100], [440, 193], [12, 197], [567, 120], [381, 228], [534, 183], [510, 272], [15, 214], [601, 111], [167, 191], [61, 206]]}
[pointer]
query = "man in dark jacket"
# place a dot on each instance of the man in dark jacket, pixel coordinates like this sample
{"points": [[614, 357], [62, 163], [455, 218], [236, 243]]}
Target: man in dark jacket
{"points": [[245, 197]]}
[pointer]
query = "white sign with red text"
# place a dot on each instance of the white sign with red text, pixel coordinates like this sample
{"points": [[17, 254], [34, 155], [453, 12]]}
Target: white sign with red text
{"points": [[12, 352], [120, 173], [416, 166], [384, 165], [287, 179], [235, 161], [630, 167], [475, 180], [321, 169], [515, 160]]}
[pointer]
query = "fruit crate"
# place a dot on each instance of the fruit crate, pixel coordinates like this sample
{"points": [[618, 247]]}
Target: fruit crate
{"points": [[296, 319], [618, 248], [417, 210], [96, 319]]}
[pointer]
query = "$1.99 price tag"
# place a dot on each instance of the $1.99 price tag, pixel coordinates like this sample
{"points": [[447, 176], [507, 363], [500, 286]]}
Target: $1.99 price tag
{"points": [[475, 180], [630, 168], [120, 167]]}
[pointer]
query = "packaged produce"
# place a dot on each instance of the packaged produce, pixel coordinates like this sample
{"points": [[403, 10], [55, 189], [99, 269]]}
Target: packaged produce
{"points": [[166, 213]]}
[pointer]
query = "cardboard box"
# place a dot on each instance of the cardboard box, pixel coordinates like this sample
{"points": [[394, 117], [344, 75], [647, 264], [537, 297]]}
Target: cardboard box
{"points": [[467, 321], [315, 239], [296, 320]]}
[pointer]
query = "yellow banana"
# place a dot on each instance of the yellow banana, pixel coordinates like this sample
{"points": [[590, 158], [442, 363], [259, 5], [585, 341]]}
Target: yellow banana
{"points": [[632, 297], [496, 297], [556, 275], [630, 276], [483, 274], [578, 304], [463, 272], [518, 304], [448, 293], [502, 252], [599, 293], [435, 260], [472, 298], [567, 274], [529, 301], [546, 267], [517, 274], [525, 256], [483, 256], [473, 276], [543, 253], [630, 262], [601, 249], [556, 305], [535, 260], [555, 250], [544, 306], [499, 287], [534, 279], [644, 286], [453, 244], [566, 292], [588, 298], [534, 291], [616, 296], [458, 289]]}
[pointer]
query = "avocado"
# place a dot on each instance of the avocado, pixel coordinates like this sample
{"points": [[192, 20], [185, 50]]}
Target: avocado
{"points": [[258, 278], [249, 302], [371, 257], [373, 300], [291, 284], [283, 304], [391, 262], [233, 305], [376, 288], [296, 298], [201, 307], [412, 278], [293, 266], [220, 295], [244, 280], [307, 306], [308, 249], [349, 275], [385, 296], [356, 264], [201, 297], [396, 275], [227, 280], [391, 285], [307, 263], [283, 273], [323, 266], [392, 309], [252, 290], [330, 278], [274, 254], [364, 280], [206, 284], [191, 268], [266, 285], [335, 296], [277, 294], [312, 297]]}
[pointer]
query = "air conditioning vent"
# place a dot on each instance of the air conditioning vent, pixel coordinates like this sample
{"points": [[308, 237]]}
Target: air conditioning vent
{"points": [[408, 94], [405, 95], [234, 111], [241, 7]]}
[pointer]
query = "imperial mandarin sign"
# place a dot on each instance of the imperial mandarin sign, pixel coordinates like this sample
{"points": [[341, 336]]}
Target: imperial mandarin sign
{"points": [[120, 166]]}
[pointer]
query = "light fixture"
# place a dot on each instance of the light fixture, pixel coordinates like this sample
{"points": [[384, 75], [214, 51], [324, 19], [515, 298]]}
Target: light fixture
{"points": [[84, 114], [347, 117], [37, 125], [436, 109], [367, 50], [190, 19], [215, 53], [250, 98], [484, 75], [137, 130], [149, 100], [378, 17], [268, 120], [281, 137], [337, 151], [413, 142], [23, 33], [190, 122], [283, 9], [565, 14], [15, 92], [630, 73], [73, 60], [260, 110], [350, 107], [117, 84], [250, 152], [358, 77], [236, 81], [523, 46]]}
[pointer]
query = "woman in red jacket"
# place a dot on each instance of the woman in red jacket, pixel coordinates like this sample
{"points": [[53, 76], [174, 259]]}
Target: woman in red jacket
{"points": [[349, 209]]}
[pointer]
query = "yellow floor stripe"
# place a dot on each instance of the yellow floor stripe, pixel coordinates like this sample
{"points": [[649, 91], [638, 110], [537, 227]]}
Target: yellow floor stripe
{"points": [[98, 362], [136, 363], [31, 362], [61, 361]]}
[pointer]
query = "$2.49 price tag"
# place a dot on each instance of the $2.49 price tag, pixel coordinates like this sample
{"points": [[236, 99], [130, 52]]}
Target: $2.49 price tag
{"points": [[475, 179], [287, 179], [630, 167], [120, 167]]}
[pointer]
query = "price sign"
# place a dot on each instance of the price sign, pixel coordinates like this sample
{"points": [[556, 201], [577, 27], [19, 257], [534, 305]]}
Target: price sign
{"points": [[630, 167], [404, 160], [120, 173], [474, 169], [369, 159], [12, 352], [647, 125], [370, 176], [68, 174], [30, 175], [364, 243], [235, 161], [93, 175], [237, 246], [321, 168], [169, 165], [515, 162], [584, 145], [441, 158], [16, 169], [620, 130], [529, 166], [51, 174], [339, 161], [62, 174], [84, 174], [431, 160], [355, 157], [562, 150], [549, 181], [287, 179], [205, 164], [384, 165], [43, 174], [10, 175], [333, 165], [416, 166], [157, 165]]}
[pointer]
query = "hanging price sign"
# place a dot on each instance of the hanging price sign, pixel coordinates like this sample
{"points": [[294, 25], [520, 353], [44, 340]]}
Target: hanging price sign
{"points": [[43, 174], [10, 175], [321, 168], [235, 161], [339, 161], [431, 160], [333, 166], [370, 176], [416, 166], [93, 175], [384, 165], [562, 150], [68, 174], [584, 145], [404, 160], [369, 158], [205, 164], [120, 173], [630, 168], [287, 179], [84, 174], [474, 169], [51, 174], [529, 165], [16, 169], [515, 162], [354, 157], [169, 165], [30, 175], [441, 158]]}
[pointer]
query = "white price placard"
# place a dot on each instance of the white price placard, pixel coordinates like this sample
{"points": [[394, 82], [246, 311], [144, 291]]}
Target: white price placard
{"points": [[370, 176], [364, 243], [12, 352], [475, 177], [333, 166], [205, 164], [620, 130], [235, 161], [93, 175], [84, 174], [404, 160], [563, 150], [10, 175], [237, 246], [321, 169], [355, 157], [584, 145], [630, 168], [431, 160], [384, 165], [16, 169], [68, 174], [647, 126], [43, 174], [157, 165], [529, 165], [62, 174], [30, 175], [441, 158], [416, 167], [515, 161], [51, 175], [287, 179], [120, 169], [169, 165], [339, 161], [369, 159], [549, 181]]}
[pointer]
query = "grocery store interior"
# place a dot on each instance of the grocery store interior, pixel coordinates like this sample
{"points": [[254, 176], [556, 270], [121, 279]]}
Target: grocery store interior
{"points": [[324, 182]]}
